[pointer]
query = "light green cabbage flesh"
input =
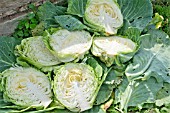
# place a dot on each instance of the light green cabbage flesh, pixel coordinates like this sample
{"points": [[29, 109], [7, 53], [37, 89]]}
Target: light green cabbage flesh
{"points": [[103, 15], [69, 45], [75, 86], [35, 52], [26, 87], [109, 48]]}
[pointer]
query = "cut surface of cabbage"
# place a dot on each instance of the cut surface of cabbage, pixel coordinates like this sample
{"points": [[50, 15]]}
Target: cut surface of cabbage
{"points": [[104, 14], [75, 86], [35, 52], [27, 87], [70, 45]]}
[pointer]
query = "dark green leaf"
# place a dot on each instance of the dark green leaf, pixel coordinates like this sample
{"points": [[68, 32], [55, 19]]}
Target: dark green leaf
{"points": [[135, 14], [49, 10], [136, 93], [69, 22], [7, 57], [32, 26], [76, 7], [153, 57], [20, 33], [96, 66]]}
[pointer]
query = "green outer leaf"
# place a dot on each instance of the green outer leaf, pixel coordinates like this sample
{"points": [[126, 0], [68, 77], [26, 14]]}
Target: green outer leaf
{"points": [[163, 96], [135, 14], [7, 57], [153, 57], [48, 10], [136, 93], [112, 80], [70, 23], [96, 66], [76, 7]]}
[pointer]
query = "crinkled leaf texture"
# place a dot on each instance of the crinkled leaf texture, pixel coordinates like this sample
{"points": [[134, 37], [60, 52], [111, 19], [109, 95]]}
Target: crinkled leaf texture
{"points": [[153, 57], [136, 93], [135, 14], [75, 86], [26, 88], [47, 11], [163, 96], [76, 7], [7, 57], [34, 51], [70, 23]]}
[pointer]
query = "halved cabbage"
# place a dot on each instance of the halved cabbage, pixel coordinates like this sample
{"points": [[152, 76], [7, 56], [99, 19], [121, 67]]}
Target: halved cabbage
{"points": [[75, 86], [103, 15], [69, 45], [26, 87], [114, 49], [34, 51]]}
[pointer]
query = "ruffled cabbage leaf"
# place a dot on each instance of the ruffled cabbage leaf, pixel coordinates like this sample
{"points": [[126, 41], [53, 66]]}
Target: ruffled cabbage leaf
{"points": [[136, 93], [7, 56], [153, 57], [135, 14], [76, 7], [70, 23]]}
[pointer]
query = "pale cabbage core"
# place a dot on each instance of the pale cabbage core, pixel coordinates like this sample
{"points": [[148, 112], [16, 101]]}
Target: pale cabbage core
{"points": [[105, 13], [75, 86], [66, 42], [28, 87], [112, 45]]}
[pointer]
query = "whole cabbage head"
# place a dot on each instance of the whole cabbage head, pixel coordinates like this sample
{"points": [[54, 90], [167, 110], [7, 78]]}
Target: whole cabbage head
{"points": [[26, 87], [75, 86], [68, 45], [103, 16], [113, 49]]}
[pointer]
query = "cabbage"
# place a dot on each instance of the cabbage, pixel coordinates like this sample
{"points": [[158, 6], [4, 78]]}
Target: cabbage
{"points": [[75, 86], [103, 15], [26, 87], [34, 51], [69, 45], [114, 49]]}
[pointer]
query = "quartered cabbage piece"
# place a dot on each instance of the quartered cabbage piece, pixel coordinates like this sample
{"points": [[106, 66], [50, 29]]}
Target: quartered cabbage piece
{"points": [[103, 15], [34, 51], [75, 86], [26, 87], [114, 49], [69, 45]]}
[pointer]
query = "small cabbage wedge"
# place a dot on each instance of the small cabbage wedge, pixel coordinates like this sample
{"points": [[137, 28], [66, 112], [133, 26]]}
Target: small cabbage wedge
{"points": [[26, 87], [113, 50], [34, 51], [68, 45], [103, 16], [75, 86]]}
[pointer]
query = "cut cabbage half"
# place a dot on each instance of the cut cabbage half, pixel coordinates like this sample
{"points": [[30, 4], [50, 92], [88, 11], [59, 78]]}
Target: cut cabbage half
{"points": [[103, 15], [26, 87], [34, 51], [69, 45], [75, 86], [114, 48]]}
